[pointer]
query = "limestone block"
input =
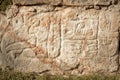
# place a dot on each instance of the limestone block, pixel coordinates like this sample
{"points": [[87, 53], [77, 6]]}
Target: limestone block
{"points": [[47, 38], [33, 2], [65, 2], [87, 2]]}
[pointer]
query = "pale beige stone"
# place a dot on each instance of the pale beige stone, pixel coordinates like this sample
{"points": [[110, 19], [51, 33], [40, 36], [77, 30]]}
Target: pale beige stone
{"points": [[64, 2], [60, 39], [0, 59], [32, 2]]}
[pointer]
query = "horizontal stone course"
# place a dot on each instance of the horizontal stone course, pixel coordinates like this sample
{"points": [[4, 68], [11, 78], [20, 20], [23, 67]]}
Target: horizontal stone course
{"points": [[56, 39], [65, 2]]}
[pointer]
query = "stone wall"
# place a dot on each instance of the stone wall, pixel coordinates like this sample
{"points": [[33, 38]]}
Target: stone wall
{"points": [[61, 36]]}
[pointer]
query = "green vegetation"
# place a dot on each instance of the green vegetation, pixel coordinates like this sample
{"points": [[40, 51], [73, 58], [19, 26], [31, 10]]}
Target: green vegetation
{"points": [[11, 75], [4, 4]]}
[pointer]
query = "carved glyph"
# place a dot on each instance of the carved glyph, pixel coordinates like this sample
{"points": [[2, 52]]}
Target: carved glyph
{"points": [[54, 38]]}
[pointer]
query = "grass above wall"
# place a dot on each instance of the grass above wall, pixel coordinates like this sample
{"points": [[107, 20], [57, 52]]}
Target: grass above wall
{"points": [[4, 4], [11, 75]]}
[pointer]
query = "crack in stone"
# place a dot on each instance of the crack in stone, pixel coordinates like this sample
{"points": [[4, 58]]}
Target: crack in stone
{"points": [[47, 47], [60, 50], [97, 36]]}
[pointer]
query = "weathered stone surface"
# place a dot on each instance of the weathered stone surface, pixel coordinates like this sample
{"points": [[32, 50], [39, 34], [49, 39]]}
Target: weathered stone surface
{"points": [[87, 2], [0, 59], [65, 2], [48, 38], [32, 2]]}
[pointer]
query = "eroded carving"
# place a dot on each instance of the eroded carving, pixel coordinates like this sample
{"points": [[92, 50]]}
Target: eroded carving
{"points": [[53, 38]]}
